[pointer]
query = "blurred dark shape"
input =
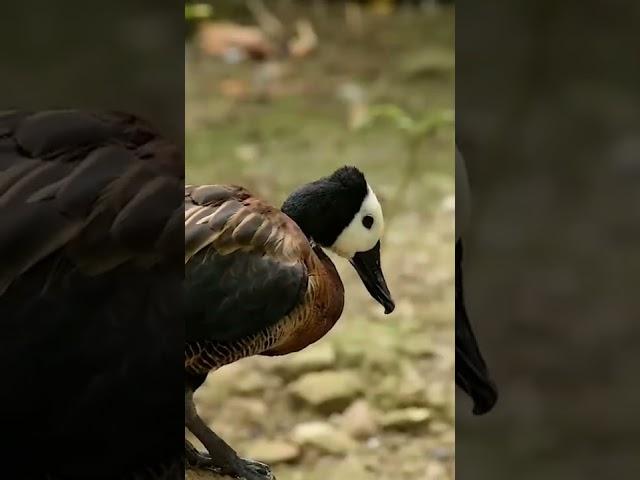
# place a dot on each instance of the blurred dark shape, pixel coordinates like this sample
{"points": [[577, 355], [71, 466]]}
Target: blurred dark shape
{"points": [[472, 374], [90, 295], [129, 56], [547, 118]]}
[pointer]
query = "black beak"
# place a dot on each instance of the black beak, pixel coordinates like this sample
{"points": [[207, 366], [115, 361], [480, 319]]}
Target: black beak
{"points": [[367, 264], [472, 375]]}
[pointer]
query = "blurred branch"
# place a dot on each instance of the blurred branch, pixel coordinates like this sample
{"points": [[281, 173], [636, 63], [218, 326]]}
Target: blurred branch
{"points": [[354, 17], [305, 41], [414, 131], [198, 11], [267, 21]]}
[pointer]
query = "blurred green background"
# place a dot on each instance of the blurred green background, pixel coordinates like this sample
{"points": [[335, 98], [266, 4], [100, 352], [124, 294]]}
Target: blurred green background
{"points": [[281, 93]]}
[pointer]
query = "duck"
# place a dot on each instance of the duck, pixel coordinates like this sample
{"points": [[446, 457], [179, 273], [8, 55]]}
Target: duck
{"points": [[258, 281], [90, 296], [472, 373]]}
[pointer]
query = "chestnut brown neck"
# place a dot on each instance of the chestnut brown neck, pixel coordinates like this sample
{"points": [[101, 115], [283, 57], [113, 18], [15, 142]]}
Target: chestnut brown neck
{"points": [[322, 306]]}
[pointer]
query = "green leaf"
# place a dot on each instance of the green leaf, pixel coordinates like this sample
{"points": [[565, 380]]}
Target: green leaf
{"points": [[197, 11]]}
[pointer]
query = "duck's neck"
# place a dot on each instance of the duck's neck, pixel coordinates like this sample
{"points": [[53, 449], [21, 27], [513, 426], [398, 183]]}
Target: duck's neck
{"points": [[331, 272], [324, 305]]}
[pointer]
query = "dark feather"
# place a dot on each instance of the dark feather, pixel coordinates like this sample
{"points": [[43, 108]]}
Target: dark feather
{"points": [[245, 265], [90, 294], [85, 186], [233, 296]]}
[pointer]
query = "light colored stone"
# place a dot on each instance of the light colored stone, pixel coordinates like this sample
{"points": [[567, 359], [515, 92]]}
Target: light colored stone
{"points": [[412, 388], [359, 420], [406, 419], [350, 468], [439, 428], [205, 475], [436, 471], [251, 382], [246, 410], [320, 356], [273, 452], [401, 391], [324, 437], [417, 346], [439, 395], [327, 392], [351, 353]]}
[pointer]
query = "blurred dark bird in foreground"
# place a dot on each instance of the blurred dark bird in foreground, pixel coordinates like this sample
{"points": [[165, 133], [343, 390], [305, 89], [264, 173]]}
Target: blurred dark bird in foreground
{"points": [[259, 283], [472, 375], [90, 297]]}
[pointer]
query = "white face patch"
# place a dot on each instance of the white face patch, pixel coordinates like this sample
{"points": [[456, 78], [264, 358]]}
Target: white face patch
{"points": [[356, 237]]}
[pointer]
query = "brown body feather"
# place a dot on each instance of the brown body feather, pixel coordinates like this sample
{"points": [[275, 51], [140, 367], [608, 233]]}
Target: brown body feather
{"points": [[222, 220]]}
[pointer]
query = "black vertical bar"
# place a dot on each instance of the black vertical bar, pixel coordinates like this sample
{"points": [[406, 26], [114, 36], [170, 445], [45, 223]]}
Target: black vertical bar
{"points": [[92, 358]]}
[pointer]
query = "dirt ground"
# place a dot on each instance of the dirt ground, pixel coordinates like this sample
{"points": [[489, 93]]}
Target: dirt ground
{"points": [[374, 399]]}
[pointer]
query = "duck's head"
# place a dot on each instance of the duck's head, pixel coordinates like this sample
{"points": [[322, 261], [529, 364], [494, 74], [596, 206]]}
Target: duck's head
{"points": [[342, 213]]}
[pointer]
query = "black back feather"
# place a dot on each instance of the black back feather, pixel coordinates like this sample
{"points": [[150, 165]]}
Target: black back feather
{"points": [[91, 271], [241, 275], [230, 297]]}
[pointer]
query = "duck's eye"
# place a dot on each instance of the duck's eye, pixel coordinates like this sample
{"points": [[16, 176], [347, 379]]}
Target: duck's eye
{"points": [[367, 221]]}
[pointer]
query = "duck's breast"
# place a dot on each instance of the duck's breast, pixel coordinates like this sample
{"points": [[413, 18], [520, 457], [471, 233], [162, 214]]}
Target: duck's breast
{"points": [[319, 311]]}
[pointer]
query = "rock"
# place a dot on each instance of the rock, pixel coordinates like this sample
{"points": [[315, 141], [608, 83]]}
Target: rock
{"points": [[323, 436], [351, 353], [412, 388], [273, 452], [385, 390], [246, 410], [359, 420], [374, 443], [436, 471], [400, 391], [439, 428], [327, 392], [218, 386], [406, 419], [384, 360], [417, 346], [350, 469], [251, 382], [443, 453], [439, 395], [321, 356], [205, 475]]}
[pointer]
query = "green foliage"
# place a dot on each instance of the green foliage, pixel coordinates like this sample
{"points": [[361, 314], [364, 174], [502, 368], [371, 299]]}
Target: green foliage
{"points": [[414, 128], [197, 11]]}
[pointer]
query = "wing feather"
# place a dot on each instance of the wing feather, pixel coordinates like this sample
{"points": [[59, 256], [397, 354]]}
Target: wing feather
{"points": [[245, 263], [95, 188]]}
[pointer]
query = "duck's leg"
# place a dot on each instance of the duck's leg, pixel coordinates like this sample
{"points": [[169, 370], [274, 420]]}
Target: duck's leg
{"points": [[222, 458], [197, 459]]}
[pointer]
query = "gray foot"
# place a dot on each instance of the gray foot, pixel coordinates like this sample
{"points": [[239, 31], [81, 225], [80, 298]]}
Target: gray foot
{"points": [[242, 468]]}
